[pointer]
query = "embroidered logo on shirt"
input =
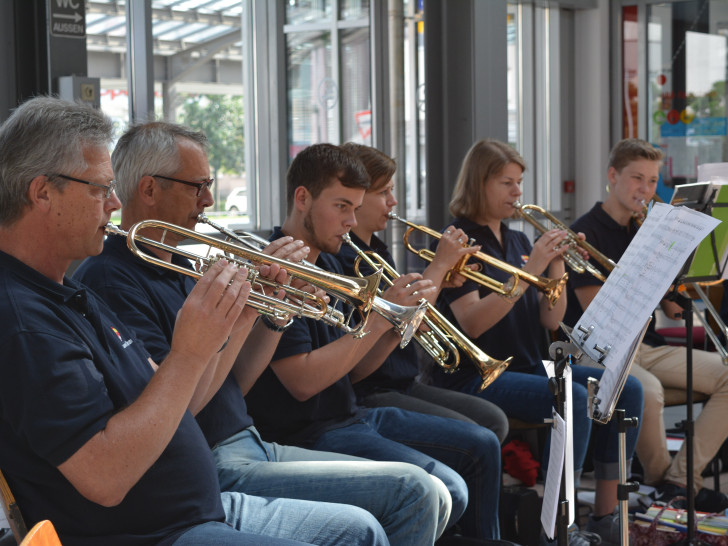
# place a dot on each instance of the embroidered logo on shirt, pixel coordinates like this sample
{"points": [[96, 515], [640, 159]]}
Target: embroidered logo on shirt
{"points": [[524, 259], [124, 344]]}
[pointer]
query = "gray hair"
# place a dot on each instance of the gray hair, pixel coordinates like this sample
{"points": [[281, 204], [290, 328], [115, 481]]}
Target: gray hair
{"points": [[146, 149], [45, 136]]}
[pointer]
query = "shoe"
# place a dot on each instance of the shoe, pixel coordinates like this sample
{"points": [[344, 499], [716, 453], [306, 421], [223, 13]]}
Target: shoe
{"points": [[576, 538], [666, 491], [607, 528], [708, 500]]}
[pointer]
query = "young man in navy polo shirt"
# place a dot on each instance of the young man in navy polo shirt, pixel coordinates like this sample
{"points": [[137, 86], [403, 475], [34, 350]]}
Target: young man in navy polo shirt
{"points": [[91, 437], [305, 397], [633, 172], [162, 171]]}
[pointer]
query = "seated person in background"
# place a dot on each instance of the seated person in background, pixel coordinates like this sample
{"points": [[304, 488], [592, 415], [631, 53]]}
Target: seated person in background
{"points": [[395, 383], [150, 160], [92, 438], [633, 171], [511, 325], [305, 397]]}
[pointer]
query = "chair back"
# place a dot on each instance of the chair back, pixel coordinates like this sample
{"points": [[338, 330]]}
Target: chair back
{"points": [[12, 512], [42, 534]]}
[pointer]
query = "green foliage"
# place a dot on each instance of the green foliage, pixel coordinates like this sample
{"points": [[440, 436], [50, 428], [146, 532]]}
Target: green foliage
{"points": [[221, 118]]}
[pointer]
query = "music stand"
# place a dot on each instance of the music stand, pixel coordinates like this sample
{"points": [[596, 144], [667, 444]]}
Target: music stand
{"points": [[707, 263]]}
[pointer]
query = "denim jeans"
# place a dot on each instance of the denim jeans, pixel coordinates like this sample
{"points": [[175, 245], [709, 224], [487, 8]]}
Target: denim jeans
{"points": [[466, 457], [527, 397], [401, 497], [216, 533]]}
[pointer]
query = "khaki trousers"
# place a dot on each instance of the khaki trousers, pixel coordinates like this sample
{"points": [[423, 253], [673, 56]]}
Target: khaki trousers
{"points": [[658, 367]]}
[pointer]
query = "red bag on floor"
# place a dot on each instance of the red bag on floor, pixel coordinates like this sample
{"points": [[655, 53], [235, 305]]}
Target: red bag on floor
{"points": [[518, 461]]}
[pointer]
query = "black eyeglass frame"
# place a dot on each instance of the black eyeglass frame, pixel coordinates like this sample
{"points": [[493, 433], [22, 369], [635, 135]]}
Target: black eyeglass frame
{"points": [[107, 189], [207, 183]]}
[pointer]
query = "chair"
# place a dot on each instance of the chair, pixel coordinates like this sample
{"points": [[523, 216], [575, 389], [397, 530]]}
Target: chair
{"points": [[42, 534], [12, 512]]}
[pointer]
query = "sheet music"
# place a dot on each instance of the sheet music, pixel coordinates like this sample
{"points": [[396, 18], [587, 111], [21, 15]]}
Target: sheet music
{"points": [[569, 439], [552, 486], [635, 287]]}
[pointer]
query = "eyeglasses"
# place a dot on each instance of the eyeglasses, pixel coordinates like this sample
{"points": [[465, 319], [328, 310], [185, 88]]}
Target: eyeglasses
{"points": [[199, 185], [107, 189]]}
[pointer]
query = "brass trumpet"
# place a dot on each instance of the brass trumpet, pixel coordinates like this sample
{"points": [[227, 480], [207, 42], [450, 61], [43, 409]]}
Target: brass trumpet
{"points": [[303, 304], [360, 293], [572, 258], [551, 288], [442, 340]]}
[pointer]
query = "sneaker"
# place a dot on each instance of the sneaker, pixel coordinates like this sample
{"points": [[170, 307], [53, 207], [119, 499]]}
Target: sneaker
{"points": [[576, 538], [607, 528], [708, 500], [665, 492]]}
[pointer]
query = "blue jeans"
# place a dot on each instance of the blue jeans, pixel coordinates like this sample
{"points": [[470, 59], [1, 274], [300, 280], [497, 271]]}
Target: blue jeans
{"points": [[401, 497], [466, 457], [216, 533], [527, 397]]}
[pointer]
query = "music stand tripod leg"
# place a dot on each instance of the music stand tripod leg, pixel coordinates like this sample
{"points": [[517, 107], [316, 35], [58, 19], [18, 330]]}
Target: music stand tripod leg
{"points": [[624, 488]]}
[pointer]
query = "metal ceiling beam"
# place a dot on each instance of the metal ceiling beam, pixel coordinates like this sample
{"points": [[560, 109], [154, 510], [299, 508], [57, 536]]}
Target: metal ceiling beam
{"points": [[189, 16], [180, 64]]}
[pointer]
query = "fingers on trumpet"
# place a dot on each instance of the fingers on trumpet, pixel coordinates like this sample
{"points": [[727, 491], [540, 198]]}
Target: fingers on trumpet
{"points": [[409, 289]]}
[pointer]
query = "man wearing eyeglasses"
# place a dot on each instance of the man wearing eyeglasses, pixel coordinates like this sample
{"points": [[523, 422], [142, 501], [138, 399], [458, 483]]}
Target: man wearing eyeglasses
{"points": [[163, 174], [92, 438]]}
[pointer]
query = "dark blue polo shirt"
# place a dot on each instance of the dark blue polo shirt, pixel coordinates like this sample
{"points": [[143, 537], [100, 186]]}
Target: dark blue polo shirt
{"points": [[400, 368], [68, 365], [519, 333], [611, 239], [281, 418], [147, 298]]}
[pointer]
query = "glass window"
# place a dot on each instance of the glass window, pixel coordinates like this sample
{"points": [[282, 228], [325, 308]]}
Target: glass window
{"points": [[312, 91], [328, 73], [308, 11], [687, 60], [355, 86]]}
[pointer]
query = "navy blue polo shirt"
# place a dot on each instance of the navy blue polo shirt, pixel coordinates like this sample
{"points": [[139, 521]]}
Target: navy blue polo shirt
{"points": [[68, 365], [281, 418], [400, 369], [517, 334], [147, 298], [611, 239]]}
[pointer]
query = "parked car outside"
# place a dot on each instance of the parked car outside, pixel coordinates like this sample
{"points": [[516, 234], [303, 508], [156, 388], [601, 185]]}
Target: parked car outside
{"points": [[237, 200]]}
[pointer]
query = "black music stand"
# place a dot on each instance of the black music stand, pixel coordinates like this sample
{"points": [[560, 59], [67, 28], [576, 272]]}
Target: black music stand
{"points": [[557, 386], [707, 263]]}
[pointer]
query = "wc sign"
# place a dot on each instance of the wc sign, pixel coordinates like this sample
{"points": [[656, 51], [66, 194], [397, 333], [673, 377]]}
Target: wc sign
{"points": [[68, 18]]}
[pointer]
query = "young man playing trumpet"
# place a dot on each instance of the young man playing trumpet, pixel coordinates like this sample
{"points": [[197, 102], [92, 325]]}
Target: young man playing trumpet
{"points": [[633, 172], [163, 173], [395, 383], [306, 397]]}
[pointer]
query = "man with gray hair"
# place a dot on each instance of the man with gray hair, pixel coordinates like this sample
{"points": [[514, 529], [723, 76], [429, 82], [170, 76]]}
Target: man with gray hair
{"points": [[163, 173], [92, 438]]}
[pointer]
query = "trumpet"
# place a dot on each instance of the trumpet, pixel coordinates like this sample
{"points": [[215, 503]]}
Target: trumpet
{"points": [[405, 319], [302, 304], [571, 257], [442, 340], [551, 288]]}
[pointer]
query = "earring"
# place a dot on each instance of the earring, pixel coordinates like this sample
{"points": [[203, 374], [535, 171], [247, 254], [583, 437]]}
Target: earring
{"points": [[608, 188]]}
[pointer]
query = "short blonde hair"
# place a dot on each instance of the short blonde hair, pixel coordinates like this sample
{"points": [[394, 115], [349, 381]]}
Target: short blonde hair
{"points": [[631, 149], [485, 158]]}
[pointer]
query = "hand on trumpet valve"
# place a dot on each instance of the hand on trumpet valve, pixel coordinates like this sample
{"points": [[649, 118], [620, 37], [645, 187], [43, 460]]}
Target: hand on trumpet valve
{"points": [[409, 289], [449, 252], [211, 311], [551, 245]]}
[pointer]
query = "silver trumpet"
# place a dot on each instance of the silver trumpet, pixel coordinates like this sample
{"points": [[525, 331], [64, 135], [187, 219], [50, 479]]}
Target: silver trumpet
{"points": [[405, 319]]}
